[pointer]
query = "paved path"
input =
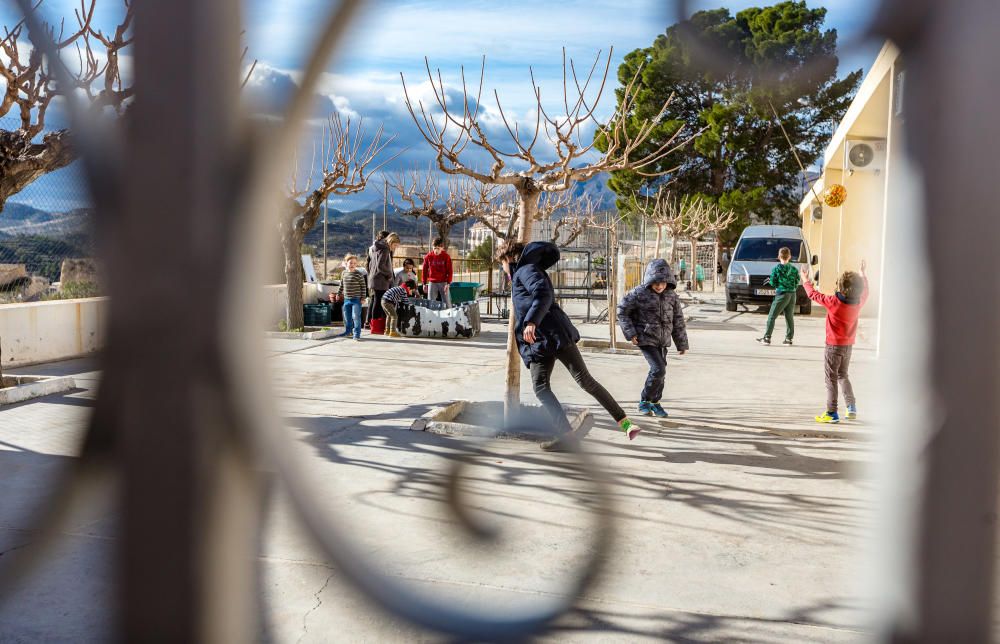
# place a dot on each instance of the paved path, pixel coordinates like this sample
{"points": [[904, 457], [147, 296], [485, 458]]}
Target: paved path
{"points": [[731, 526]]}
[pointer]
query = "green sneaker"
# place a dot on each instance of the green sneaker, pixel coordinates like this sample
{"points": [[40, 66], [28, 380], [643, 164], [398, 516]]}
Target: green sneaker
{"points": [[631, 429]]}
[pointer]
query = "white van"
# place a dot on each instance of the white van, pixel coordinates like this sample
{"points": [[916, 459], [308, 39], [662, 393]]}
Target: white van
{"points": [[756, 253]]}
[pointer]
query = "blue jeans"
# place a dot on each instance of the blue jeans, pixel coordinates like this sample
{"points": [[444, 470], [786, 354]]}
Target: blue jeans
{"points": [[657, 359], [352, 316]]}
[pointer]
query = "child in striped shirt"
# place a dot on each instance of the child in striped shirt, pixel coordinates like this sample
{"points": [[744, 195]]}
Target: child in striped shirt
{"points": [[353, 288], [391, 300]]}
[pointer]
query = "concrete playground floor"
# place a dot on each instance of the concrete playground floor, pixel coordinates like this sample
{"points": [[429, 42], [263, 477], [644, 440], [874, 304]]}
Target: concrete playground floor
{"points": [[735, 521]]}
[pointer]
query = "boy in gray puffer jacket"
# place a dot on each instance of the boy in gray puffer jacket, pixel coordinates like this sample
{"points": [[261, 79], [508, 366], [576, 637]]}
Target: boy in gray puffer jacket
{"points": [[650, 316]]}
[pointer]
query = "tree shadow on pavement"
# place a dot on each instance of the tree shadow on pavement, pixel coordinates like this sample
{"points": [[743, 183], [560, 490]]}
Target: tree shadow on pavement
{"points": [[739, 493], [806, 624], [423, 470]]}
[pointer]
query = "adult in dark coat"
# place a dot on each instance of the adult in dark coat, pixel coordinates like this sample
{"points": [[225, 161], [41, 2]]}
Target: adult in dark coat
{"points": [[380, 273], [545, 334], [650, 316]]}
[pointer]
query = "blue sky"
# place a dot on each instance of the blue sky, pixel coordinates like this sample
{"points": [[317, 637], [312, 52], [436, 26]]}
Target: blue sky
{"points": [[393, 36]]}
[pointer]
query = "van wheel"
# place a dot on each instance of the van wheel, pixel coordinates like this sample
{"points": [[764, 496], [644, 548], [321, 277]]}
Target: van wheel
{"points": [[806, 309], [730, 305]]}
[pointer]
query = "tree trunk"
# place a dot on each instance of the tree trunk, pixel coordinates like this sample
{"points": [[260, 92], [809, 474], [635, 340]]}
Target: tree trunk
{"points": [[22, 162], [443, 231], [694, 261], [291, 246], [528, 207], [659, 240], [612, 271]]}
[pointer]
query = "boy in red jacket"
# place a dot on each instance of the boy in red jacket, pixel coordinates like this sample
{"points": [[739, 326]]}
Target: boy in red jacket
{"points": [[437, 273], [842, 310]]}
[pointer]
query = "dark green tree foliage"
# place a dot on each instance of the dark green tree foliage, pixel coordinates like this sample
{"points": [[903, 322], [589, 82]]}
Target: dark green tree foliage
{"points": [[482, 256], [42, 255], [776, 55]]}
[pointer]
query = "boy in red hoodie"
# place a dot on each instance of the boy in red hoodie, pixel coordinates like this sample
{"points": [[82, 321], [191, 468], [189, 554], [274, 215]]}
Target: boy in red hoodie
{"points": [[437, 272], [842, 310]]}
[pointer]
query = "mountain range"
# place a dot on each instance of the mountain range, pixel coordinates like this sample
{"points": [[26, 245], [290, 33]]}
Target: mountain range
{"points": [[24, 228]]}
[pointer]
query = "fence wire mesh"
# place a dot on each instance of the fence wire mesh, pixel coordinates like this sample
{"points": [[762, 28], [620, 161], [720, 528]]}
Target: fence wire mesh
{"points": [[45, 237]]}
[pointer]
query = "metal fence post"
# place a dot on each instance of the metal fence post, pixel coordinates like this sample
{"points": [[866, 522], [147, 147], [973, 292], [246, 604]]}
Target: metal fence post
{"points": [[951, 53]]}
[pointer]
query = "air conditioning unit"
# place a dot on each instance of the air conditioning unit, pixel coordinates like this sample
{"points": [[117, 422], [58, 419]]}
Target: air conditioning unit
{"points": [[817, 212], [866, 156]]}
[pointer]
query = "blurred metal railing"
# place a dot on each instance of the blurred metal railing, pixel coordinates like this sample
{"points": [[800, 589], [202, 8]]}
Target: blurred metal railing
{"points": [[185, 425]]}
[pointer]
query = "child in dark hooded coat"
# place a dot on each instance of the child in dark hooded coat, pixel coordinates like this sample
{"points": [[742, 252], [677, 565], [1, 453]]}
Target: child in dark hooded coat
{"points": [[544, 335], [650, 315]]}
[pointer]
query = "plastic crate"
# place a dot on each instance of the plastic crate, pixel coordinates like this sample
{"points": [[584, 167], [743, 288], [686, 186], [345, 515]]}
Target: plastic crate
{"points": [[316, 314], [434, 305], [464, 291]]}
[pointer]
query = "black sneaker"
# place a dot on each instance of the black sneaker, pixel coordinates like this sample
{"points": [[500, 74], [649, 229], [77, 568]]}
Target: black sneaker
{"points": [[764, 340], [565, 443], [787, 341]]}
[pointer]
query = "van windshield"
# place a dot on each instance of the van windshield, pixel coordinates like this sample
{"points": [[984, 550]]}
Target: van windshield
{"points": [[765, 249]]}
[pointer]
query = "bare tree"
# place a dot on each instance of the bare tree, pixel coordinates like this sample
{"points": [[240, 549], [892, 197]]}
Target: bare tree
{"points": [[460, 199], [30, 87], [707, 219], [610, 226], [580, 216], [346, 164], [549, 157], [688, 217], [504, 218]]}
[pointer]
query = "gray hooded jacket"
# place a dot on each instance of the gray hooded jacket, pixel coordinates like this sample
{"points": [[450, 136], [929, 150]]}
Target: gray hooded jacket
{"points": [[654, 318], [380, 266]]}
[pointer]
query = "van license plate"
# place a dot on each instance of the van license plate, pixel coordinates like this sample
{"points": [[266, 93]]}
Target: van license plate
{"points": [[764, 291]]}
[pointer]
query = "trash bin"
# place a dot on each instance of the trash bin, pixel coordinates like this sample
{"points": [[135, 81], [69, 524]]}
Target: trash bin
{"points": [[464, 291], [316, 314]]}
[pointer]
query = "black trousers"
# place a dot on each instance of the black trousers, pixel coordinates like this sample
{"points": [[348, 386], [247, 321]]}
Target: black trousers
{"points": [[541, 373]]}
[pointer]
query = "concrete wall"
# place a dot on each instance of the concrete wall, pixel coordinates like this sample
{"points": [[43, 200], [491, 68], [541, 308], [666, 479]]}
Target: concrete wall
{"points": [[275, 301], [38, 332], [903, 243], [45, 331], [813, 231], [274, 304], [861, 231], [857, 230], [829, 249]]}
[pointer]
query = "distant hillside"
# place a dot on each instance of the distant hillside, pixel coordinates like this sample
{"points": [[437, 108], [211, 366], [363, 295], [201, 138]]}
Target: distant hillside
{"points": [[22, 219], [14, 212], [597, 189]]}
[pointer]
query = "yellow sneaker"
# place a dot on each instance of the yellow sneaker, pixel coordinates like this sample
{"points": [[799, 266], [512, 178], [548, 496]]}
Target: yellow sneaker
{"points": [[830, 417]]}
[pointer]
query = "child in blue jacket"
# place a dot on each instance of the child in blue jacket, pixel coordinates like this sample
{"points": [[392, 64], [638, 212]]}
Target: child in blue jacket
{"points": [[545, 334]]}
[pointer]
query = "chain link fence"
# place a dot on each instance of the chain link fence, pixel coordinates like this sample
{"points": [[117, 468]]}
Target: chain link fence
{"points": [[45, 237]]}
